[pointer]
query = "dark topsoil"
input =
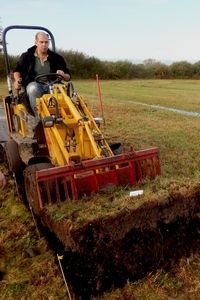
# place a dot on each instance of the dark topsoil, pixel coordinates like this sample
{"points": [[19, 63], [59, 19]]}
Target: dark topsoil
{"points": [[110, 249]]}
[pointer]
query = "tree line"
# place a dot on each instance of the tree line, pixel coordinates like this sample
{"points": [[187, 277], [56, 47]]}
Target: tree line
{"points": [[83, 66]]}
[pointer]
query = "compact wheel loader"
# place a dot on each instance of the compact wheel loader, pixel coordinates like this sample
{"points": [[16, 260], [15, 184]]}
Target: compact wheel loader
{"points": [[62, 154]]}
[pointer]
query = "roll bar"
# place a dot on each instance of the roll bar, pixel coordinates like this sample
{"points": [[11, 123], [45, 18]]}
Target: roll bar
{"points": [[4, 44]]}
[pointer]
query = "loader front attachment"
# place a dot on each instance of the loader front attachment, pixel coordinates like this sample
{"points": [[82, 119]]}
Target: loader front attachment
{"points": [[73, 182]]}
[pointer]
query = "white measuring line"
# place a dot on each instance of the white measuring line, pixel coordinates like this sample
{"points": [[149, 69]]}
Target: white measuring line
{"points": [[179, 111]]}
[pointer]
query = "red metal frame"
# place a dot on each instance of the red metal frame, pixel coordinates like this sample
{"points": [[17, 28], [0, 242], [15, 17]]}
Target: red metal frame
{"points": [[73, 182]]}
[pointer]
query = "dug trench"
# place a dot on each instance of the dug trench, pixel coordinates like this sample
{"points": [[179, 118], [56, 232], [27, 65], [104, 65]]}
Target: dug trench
{"points": [[109, 250]]}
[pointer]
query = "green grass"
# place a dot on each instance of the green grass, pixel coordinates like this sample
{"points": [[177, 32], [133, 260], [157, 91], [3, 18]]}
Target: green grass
{"points": [[129, 121], [181, 94], [134, 124]]}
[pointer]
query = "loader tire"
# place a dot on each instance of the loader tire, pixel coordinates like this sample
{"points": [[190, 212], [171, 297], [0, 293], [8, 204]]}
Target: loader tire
{"points": [[14, 161], [30, 185]]}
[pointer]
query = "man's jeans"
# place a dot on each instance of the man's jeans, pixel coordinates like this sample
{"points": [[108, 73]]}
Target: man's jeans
{"points": [[35, 90]]}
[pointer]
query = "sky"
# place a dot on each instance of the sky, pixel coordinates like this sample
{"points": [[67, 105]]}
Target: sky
{"points": [[134, 30]]}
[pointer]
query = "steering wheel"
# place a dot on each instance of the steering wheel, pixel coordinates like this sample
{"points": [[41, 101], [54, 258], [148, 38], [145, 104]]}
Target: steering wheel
{"points": [[49, 78]]}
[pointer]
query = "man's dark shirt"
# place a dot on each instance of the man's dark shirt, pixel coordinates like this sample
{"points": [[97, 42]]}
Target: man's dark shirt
{"points": [[26, 63]]}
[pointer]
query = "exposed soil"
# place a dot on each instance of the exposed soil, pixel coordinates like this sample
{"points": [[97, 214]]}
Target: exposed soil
{"points": [[108, 250]]}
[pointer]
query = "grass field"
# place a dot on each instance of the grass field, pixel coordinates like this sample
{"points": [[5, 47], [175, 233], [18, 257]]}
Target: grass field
{"points": [[131, 119]]}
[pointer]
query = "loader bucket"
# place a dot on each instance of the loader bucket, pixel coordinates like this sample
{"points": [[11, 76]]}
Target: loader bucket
{"points": [[73, 182]]}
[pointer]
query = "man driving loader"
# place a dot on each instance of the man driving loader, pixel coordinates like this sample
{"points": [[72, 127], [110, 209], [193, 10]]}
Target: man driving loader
{"points": [[37, 60]]}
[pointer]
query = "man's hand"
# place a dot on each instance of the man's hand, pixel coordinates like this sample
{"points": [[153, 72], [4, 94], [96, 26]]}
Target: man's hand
{"points": [[65, 76], [18, 84], [60, 72]]}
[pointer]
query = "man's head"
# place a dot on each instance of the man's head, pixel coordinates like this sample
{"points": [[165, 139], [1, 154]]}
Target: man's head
{"points": [[42, 42]]}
